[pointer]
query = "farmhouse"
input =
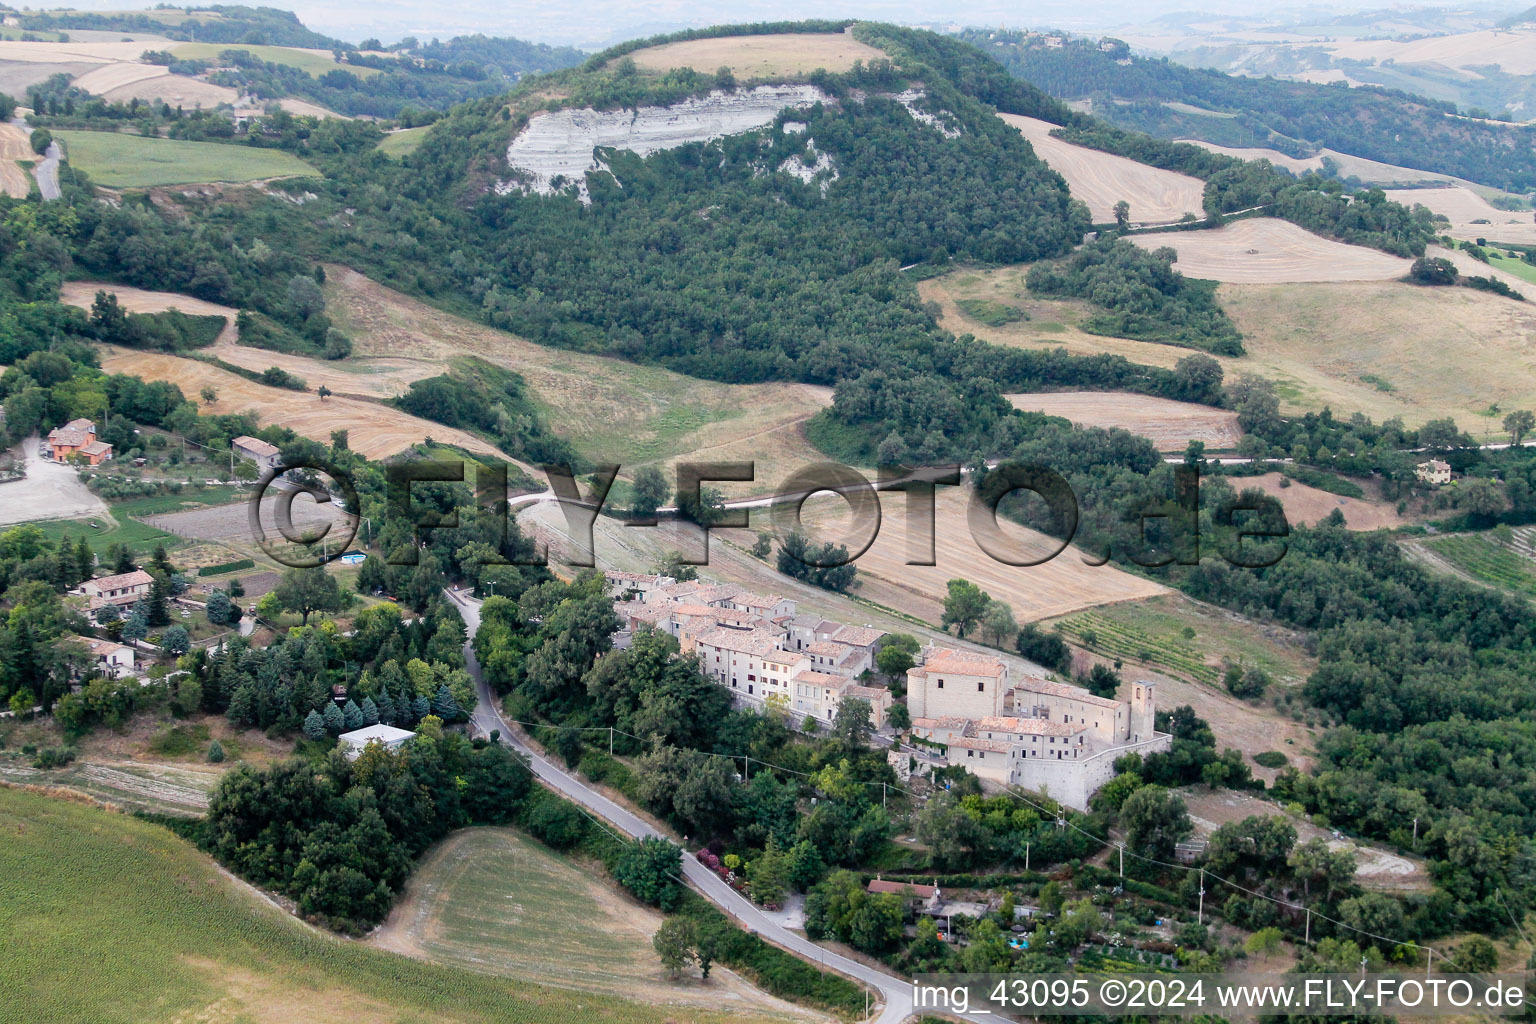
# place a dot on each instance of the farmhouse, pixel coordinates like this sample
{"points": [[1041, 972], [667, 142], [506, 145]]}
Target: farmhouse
{"points": [[386, 735], [1435, 471], [758, 646], [77, 438], [1059, 739], [122, 590], [110, 659], [265, 454]]}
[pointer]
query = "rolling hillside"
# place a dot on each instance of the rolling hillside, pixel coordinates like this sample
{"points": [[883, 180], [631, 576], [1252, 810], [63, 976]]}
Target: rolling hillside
{"points": [[1171, 101]]}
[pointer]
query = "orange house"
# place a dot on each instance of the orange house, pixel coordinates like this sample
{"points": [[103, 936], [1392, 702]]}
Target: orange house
{"points": [[78, 437]]}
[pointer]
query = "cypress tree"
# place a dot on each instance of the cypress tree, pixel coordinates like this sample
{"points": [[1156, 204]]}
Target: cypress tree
{"points": [[352, 715], [314, 726], [420, 708], [386, 707], [370, 712], [334, 722], [85, 561], [444, 706]]}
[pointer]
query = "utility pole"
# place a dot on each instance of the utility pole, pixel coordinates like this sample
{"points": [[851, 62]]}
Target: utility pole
{"points": [[746, 771], [1309, 926], [1026, 857], [610, 741], [1201, 918], [1122, 860], [1429, 963], [1362, 966], [1415, 831]]}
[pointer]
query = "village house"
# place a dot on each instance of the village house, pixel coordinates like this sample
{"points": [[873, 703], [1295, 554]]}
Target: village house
{"points": [[265, 454], [123, 590], [110, 659], [757, 646], [1435, 471], [77, 439]]}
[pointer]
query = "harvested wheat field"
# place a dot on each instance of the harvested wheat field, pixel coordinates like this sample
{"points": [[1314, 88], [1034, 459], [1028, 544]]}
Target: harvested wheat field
{"points": [[1102, 179], [612, 410], [1513, 52], [1290, 163], [138, 300], [104, 79], [177, 90], [78, 53], [1047, 323], [15, 145], [1463, 207], [1389, 349], [376, 430], [1306, 506], [1168, 424], [1369, 171], [764, 56], [1063, 584], [1266, 250]]}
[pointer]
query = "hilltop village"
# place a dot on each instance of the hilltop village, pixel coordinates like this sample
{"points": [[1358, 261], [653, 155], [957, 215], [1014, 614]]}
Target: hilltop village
{"points": [[969, 707]]}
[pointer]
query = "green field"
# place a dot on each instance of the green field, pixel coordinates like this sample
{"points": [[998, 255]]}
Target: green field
{"points": [[110, 919], [1519, 268], [1484, 558], [122, 161], [1153, 632], [402, 143], [315, 64], [136, 535], [190, 497]]}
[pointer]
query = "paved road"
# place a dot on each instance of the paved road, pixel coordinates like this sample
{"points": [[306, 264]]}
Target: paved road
{"points": [[46, 170], [895, 992]]}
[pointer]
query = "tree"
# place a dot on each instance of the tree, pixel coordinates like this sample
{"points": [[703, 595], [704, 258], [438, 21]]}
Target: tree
{"points": [[1122, 215], [1478, 955], [949, 832], [309, 590], [762, 546], [157, 610], [137, 625], [334, 722], [997, 624], [1432, 270], [650, 869], [853, 723], [175, 640], [215, 752], [651, 492], [314, 726], [1103, 681], [768, 876], [674, 943], [220, 609], [352, 715], [1155, 821], [899, 717], [897, 654], [964, 606], [1263, 943], [1519, 423], [1198, 378], [42, 138], [370, 712], [209, 395]]}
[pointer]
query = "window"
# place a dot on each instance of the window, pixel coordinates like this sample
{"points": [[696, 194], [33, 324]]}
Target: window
{"points": [[941, 684], [981, 687], [970, 753]]}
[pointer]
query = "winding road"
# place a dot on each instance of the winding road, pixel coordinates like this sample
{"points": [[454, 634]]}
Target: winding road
{"points": [[46, 170], [895, 993]]}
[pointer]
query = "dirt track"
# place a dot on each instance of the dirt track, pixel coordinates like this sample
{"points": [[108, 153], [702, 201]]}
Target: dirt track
{"points": [[1265, 250], [1170, 425], [1102, 179], [763, 56]]}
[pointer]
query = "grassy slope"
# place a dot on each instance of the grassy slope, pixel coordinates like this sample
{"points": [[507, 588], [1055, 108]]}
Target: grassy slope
{"points": [[112, 919], [120, 161], [403, 143], [315, 64]]}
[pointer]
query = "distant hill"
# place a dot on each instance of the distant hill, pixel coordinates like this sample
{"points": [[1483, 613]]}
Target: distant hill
{"points": [[1522, 18], [216, 23], [1169, 100]]}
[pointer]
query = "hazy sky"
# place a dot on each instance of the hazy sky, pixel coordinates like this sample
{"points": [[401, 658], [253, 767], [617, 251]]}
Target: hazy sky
{"points": [[591, 23]]}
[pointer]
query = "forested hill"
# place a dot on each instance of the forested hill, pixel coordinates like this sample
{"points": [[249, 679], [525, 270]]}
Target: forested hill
{"points": [[1296, 118], [216, 23]]}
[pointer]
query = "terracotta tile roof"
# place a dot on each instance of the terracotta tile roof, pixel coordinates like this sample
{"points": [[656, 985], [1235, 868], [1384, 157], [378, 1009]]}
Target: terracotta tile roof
{"points": [[901, 888], [96, 448], [874, 694], [942, 722], [137, 578], [972, 743], [858, 636], [67, 437], [811, 677], [255, 446], [1077, 693], [1029, 726], [827, 649], [741, 641], [948, 660], [757, 600], [81, 424]]}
